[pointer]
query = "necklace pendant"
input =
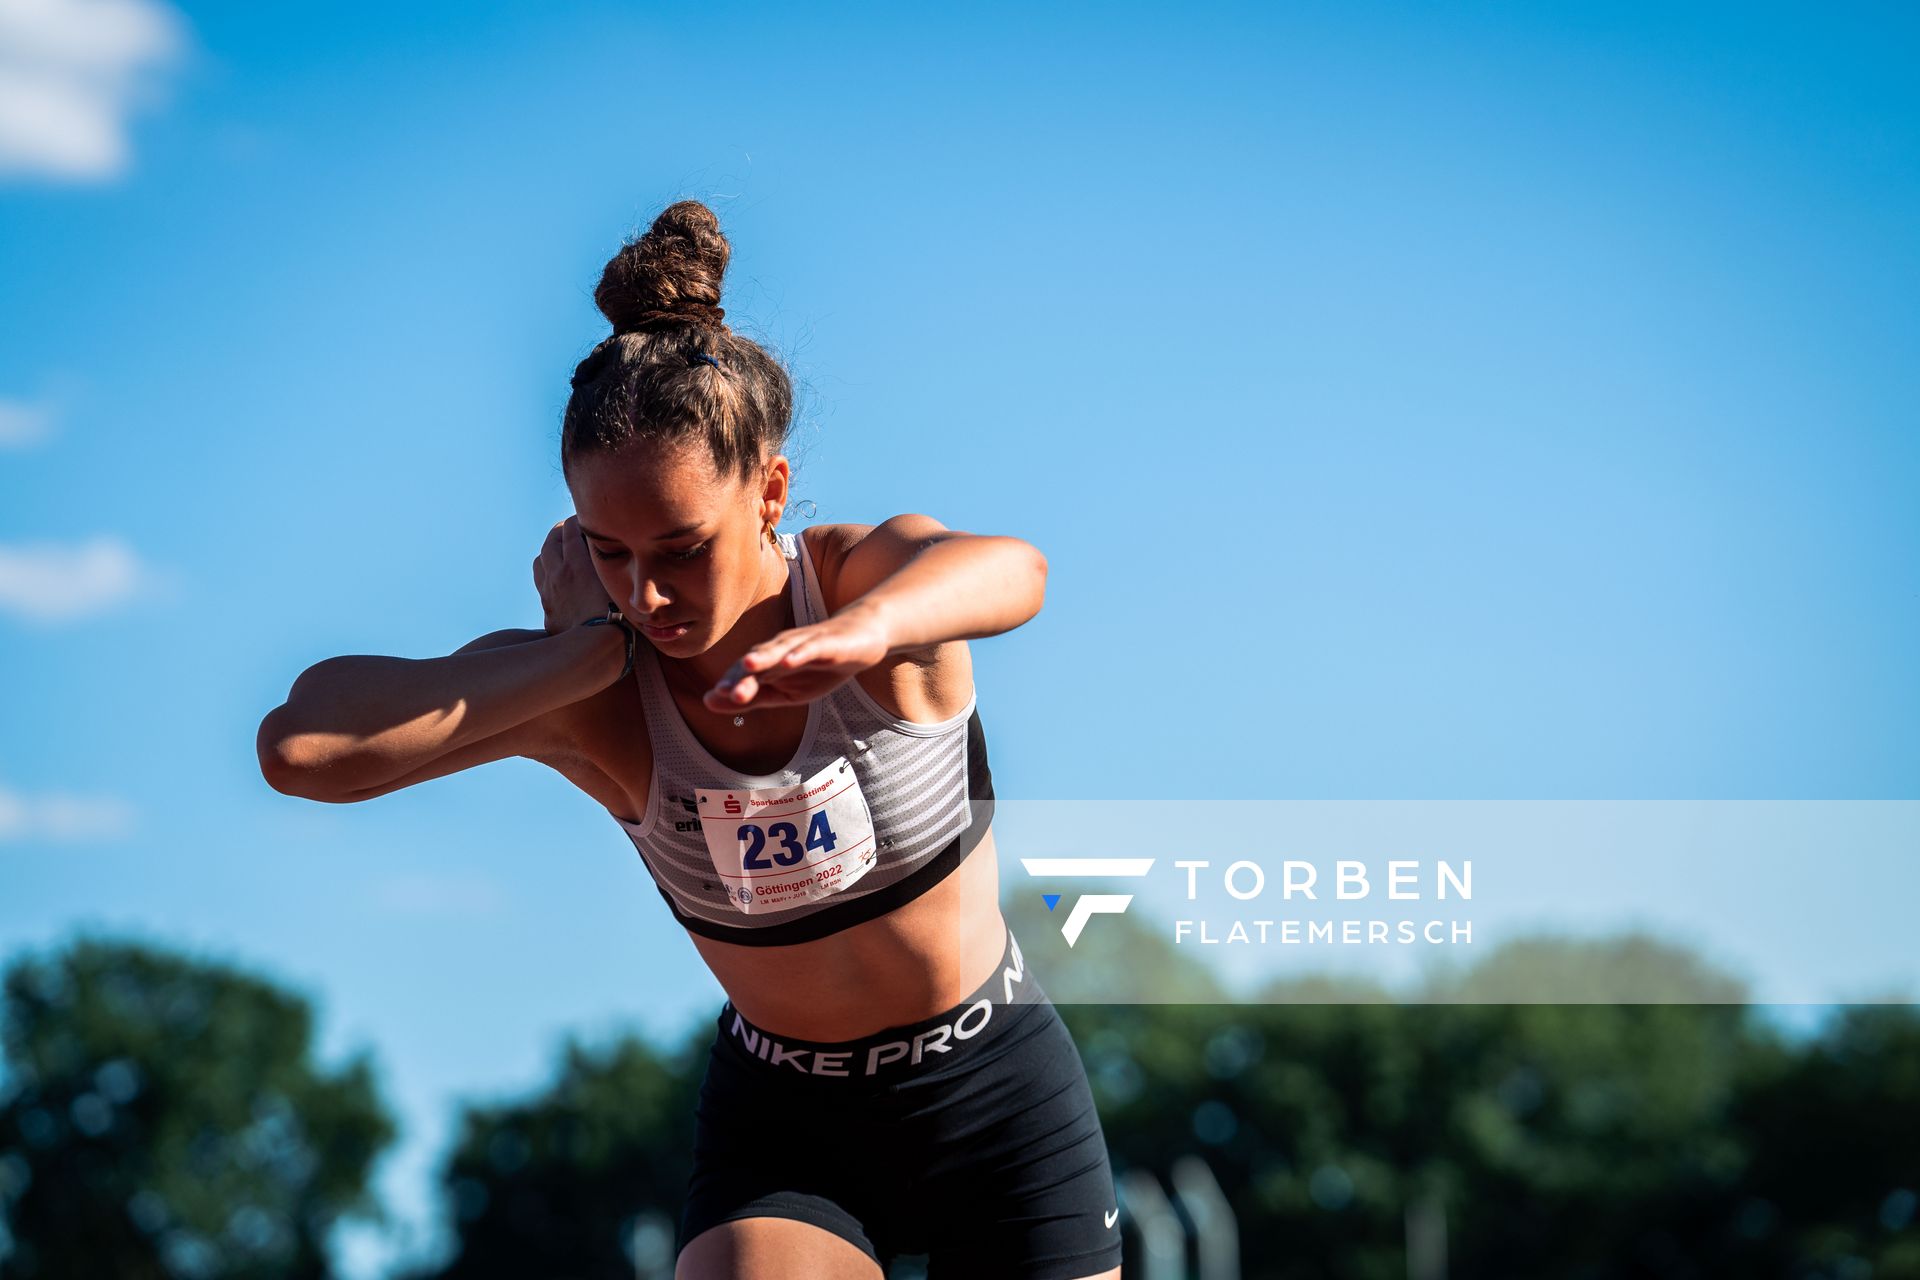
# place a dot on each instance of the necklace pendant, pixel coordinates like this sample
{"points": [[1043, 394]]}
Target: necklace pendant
{"points": [[739, 719]]}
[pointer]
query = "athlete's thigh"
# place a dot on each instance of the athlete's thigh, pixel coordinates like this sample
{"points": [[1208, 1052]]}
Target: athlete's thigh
{"points": [[772, 1249], [1023, 1176]]}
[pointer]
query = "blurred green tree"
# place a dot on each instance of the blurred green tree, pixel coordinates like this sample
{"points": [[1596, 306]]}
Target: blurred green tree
{"points": [[1580, 1140], [1834, 1128], [162, 1117], [557, 1185]]}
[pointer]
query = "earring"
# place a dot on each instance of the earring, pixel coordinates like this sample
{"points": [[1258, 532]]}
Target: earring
{"points": [[773, 539]]}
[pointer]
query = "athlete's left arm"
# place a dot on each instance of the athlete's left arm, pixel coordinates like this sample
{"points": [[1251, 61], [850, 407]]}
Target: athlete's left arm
{"points": [[907, 585], [927, 584]]}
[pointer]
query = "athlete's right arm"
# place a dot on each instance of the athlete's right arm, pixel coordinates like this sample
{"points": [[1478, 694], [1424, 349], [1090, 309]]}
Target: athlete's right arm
{"points": [[359, 726]]}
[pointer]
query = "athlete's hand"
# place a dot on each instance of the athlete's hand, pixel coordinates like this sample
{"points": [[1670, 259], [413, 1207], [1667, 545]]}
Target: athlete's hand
{"points": [[800, 664], [570, 590]]}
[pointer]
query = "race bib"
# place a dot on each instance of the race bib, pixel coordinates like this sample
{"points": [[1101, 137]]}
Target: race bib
{"points": [[777, 847]]}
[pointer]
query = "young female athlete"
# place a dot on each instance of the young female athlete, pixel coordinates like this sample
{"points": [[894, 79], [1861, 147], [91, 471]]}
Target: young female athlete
{"points": [[791, 742]]}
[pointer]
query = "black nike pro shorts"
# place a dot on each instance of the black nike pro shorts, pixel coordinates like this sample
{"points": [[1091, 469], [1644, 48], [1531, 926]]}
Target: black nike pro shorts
{"points": [[969, 1137]]}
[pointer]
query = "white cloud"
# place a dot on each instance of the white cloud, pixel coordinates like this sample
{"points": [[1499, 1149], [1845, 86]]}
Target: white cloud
{"points": [[71, 73], [50, 582], [62, 816], [21, 424]]}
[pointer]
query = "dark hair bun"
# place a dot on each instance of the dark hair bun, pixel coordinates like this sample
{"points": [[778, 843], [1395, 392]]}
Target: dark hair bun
{"points": [[669, 276]]}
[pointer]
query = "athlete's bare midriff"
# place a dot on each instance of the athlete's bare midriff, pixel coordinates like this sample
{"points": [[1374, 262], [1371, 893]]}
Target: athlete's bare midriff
{"points": [[919, 959]]}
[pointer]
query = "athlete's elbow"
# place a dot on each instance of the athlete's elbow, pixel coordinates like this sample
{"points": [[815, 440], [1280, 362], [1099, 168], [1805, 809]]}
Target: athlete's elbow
{"points": [[306, 784], [287, 778], [300, 785], [1023, 586], [284, 774], [1036, 578], [270, 745], [290, 764]]}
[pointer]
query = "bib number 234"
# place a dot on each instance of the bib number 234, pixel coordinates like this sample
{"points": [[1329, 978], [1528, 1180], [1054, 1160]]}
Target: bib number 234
{"points": [[777, 847]]}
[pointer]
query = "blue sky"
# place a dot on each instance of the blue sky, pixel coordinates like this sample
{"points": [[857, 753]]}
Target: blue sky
{"points": [[1514, 403]]}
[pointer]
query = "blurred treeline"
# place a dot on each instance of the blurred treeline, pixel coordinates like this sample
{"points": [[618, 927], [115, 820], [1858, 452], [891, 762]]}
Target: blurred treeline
{"points": [[163, 1116]]}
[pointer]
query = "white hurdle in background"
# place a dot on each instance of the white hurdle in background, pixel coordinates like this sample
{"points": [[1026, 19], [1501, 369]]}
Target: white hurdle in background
{"points": [[1154, 1226], [1426, 1237], [1162, 1228], [1216, 1232]]}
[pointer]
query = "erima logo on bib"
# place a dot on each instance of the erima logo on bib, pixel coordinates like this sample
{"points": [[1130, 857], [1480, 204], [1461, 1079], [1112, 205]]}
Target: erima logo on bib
{"points": [[777, 847]]}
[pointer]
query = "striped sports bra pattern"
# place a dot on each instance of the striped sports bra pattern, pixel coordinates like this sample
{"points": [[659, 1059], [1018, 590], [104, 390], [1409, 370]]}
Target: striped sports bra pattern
{"points": [[927, 786]]}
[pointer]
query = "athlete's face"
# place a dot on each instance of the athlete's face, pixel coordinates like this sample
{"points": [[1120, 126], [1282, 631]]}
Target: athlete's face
{"points": [[677, 545]]}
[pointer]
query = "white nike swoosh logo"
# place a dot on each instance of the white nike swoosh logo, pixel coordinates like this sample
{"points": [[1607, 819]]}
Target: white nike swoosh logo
{"points": [[1113, 1217]]}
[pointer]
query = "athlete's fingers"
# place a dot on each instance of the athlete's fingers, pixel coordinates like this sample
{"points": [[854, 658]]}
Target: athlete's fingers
{"points": [[786, 656], [732, 695], [768, 652], [769, 699], [821, 653]]}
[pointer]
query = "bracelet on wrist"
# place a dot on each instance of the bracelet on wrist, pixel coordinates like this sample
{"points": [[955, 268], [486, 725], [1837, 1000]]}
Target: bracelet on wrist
{"points": [[613, 618]]}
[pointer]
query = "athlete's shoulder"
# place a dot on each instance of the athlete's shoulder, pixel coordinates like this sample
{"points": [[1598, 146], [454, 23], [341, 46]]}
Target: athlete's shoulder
{"points": [[853, 559]]}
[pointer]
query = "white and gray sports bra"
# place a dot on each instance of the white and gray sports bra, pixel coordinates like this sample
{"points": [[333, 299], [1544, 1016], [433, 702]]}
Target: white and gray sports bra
{"points": [[892, 808]]}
